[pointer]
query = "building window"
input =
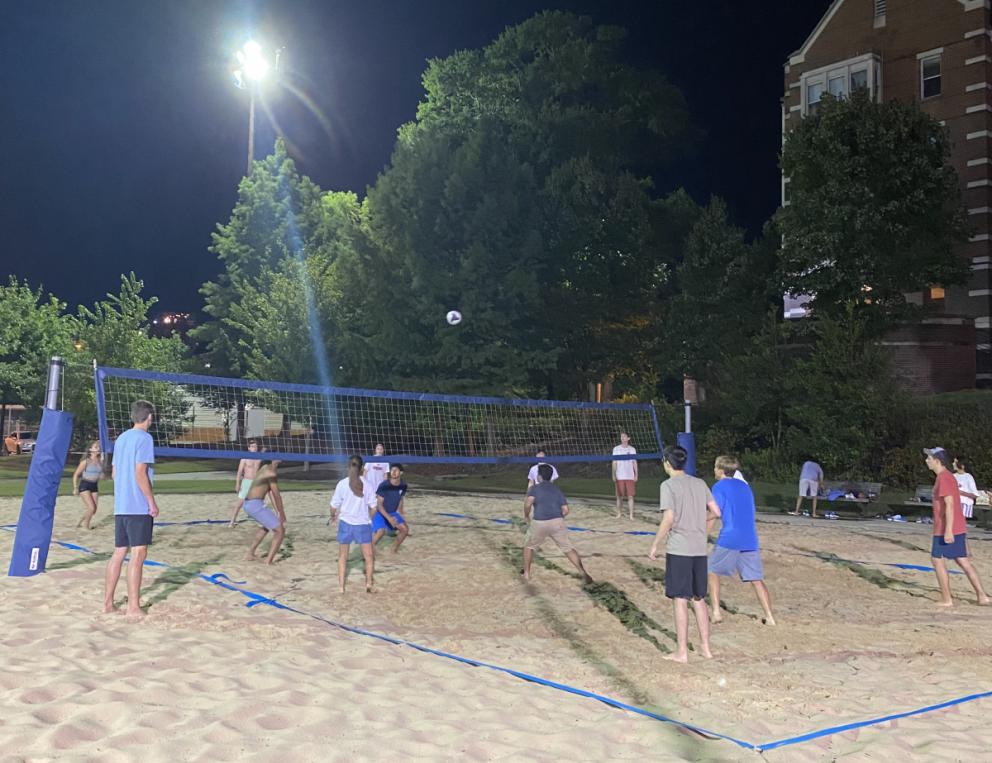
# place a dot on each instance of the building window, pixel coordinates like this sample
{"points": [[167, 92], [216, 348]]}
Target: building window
{"points": [[814, 92], [935, 294], [930, 76], [879, 8], [841, 79]]}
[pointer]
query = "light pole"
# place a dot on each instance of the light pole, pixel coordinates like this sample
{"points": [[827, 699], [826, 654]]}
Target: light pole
{"points": [[252, 69]]}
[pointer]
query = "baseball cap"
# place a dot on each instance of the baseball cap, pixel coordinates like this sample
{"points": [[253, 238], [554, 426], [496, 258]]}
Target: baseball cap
{"points": [[937, 452]]}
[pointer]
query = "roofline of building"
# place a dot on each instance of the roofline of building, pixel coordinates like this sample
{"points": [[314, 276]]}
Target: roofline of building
{"points": [[798, 56]]}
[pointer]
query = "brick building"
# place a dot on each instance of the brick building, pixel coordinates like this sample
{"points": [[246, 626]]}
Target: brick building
{"points": [[938, 53]]}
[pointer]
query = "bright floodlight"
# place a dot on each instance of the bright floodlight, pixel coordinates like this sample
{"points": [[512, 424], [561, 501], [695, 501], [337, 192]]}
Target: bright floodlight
{"points": [[254, 67]]}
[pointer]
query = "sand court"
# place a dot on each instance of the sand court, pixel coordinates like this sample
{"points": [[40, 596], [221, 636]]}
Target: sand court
{"points": [[205, 677]]}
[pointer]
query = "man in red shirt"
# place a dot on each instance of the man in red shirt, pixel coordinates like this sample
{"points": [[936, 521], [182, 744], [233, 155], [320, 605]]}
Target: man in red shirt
{"points": [[950, 540]]}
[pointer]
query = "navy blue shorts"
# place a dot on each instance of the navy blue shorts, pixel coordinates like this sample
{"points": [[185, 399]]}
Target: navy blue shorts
{"points": [[132, 530], [956, 550], [354, 533], [685, 576], [379, 522]]}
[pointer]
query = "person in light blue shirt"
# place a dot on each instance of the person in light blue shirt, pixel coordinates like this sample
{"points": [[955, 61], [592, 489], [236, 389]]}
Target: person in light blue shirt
{"points": [[134, 506], [736, 550]]}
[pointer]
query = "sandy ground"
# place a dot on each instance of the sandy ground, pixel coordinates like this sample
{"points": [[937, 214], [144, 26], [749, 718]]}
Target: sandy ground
{"points": [[206, 678]]}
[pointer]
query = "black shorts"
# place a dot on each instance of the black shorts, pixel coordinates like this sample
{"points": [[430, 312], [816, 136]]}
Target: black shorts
{"points": [[88, 486], [685, 577], [132, 530]]}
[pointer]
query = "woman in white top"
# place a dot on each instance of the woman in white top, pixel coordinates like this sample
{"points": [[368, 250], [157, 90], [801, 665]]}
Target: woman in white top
{"points": [[377, 471], [355, 502], [967, 488]]}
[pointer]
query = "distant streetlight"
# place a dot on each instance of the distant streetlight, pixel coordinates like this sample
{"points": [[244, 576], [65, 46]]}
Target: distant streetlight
{"points": [[252, 69]]}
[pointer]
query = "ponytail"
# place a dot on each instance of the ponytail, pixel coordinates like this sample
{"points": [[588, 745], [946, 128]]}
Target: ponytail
{"points": [[355, 464]]}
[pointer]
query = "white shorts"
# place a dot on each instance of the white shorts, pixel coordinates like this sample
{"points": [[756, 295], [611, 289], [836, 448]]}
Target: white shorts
{"points": [[968, 509], [808, 488]]}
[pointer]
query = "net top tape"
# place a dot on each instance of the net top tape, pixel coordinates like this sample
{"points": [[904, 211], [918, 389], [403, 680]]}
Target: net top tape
{"points": [[222, 381]]}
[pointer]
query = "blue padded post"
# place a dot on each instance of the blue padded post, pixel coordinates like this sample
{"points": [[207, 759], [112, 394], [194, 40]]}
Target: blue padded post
{"points": [[34, 526], [687, 440]]}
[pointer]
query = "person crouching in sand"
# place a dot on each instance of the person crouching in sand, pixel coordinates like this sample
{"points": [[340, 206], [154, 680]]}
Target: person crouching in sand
{"points": [[265, 483]]}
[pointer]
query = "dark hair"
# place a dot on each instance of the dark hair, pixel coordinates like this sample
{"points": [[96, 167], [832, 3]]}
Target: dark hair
{"points": [[141, 410], [961, 462], [355, 464], [396, 466], [676, 457], [545, 471]]}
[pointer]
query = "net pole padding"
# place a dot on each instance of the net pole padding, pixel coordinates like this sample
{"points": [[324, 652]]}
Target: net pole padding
{"points": [[34, 523], [303, 422]]}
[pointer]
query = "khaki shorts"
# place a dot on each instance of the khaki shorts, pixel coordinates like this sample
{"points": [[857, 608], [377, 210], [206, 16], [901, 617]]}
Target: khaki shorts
{"points": [[542, 529]]}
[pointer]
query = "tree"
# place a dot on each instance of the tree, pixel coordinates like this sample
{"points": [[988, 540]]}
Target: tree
{"points": [[874, 208], [722, 292], [33, 328], [519, 194], [115, 333], [276, 217]]}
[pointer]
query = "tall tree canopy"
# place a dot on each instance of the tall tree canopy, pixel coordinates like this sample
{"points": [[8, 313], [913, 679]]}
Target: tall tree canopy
{"points": [[874, 208], [519, 196]]}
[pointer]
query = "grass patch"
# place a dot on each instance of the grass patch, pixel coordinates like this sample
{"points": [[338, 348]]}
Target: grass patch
{"points": [[650, 576], [873, 576], [632, 617]]}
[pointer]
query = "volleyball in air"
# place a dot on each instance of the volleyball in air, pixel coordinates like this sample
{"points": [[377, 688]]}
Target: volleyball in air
{"points": [[453, 317]]}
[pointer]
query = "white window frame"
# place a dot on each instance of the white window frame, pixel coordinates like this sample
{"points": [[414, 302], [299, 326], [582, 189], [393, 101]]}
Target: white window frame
{"points": [[869, 63], [924, 58]]}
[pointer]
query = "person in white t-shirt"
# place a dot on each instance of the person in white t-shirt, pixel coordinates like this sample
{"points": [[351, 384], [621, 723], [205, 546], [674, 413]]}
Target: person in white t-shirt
{"points": [[967, 487], [625, 474], [355, 501], [532, 476], [376, 471]]}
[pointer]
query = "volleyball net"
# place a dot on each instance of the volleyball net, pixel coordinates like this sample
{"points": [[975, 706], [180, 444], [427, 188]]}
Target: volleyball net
{"points": [[214, 417]]}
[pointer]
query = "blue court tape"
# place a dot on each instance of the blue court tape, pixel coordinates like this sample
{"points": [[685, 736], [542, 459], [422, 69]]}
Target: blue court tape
{"points": [[255, 599], [913, 567], [194, 522], [871, 722], [576, 529]]}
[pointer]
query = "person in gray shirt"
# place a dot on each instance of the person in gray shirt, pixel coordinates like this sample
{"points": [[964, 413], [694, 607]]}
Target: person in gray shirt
{"points": [[549, 507], [688, 512]]}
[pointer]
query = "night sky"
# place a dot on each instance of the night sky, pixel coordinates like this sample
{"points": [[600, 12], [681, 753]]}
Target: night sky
{"points": [[124, 139]]}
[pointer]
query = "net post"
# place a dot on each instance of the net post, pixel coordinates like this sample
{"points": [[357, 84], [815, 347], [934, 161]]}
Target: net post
{"points": [[101, 408], [56, 367]]}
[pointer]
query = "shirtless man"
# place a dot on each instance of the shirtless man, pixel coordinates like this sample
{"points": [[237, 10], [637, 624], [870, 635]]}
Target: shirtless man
{"points": [[265, 482], [247, 470]]}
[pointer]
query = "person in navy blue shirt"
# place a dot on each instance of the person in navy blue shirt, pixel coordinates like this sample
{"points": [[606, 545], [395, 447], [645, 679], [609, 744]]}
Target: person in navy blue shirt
{"points": [[736, 550], [389, 513]]}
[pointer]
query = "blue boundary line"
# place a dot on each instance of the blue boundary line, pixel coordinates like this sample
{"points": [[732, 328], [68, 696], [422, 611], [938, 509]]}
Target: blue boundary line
{"points": [[255, 599]]}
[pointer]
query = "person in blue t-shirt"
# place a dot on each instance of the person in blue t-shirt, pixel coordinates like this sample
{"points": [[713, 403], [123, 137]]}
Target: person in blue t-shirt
{"points": [[134, 506], [736, 548], [389, 513]]}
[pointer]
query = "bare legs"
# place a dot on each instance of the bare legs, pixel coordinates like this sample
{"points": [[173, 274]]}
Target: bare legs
{"points": [[799, 505], [401, 532], [134, 569], [277, 537], [944, 581], [760, 590], [369, 556], [573, 557], [237, 508], [701, 612], [89, 500], [630, 506]]}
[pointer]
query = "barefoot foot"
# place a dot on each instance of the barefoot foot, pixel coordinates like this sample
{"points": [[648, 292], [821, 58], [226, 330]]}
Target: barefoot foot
{"points": [[945, 603], [768, 620], [683, 658]]}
